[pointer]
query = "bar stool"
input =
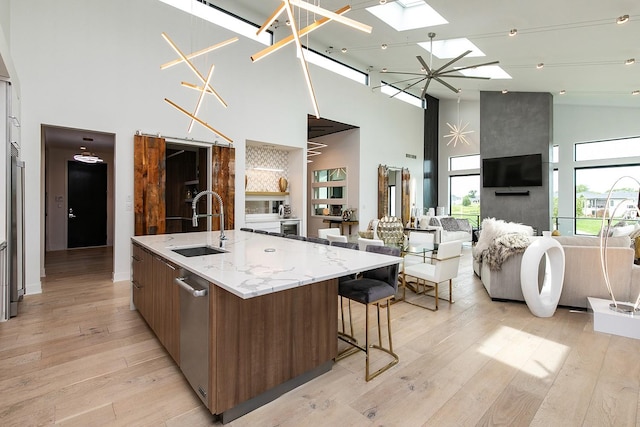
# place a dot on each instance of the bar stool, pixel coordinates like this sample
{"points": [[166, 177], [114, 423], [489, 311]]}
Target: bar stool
{"points": [[261, 231], [318, 240], [374, 287], [273, 233], [296, 237], [347, 245], [246, 229]]}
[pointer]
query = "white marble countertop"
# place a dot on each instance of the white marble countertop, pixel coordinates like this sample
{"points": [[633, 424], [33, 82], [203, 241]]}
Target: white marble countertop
{"points": [[258, 264]]}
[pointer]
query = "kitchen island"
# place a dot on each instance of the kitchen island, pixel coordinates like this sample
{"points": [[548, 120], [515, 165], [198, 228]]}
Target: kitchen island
{"points": [[272, 309]]}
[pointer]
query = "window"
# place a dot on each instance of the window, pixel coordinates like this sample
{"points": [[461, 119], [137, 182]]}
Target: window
{"points": [[387, 89], [329, 192], [336, 67], [464, 197], [591, 192], [611, 149], [464, 162]]}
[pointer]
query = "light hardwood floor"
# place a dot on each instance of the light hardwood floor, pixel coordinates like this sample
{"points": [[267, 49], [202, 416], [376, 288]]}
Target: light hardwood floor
{"points": [[78, 356]]}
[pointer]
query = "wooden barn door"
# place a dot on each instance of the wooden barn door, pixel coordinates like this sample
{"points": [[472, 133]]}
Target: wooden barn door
{"points": [[149, 185]]}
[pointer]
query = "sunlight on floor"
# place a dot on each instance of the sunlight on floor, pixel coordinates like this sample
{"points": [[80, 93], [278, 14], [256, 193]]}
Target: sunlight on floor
{"points": [[526, 352]]}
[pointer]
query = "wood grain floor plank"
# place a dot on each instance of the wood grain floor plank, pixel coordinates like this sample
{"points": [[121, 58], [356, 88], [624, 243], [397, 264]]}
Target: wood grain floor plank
{"points": [[77, 355]]}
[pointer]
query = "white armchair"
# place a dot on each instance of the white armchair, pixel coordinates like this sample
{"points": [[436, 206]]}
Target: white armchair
{"points": [[444, 268]]}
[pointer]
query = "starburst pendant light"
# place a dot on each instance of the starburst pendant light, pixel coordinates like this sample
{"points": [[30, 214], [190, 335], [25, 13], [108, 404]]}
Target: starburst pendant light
{"points": [[458, 133], [287, 5], [429, 73]]}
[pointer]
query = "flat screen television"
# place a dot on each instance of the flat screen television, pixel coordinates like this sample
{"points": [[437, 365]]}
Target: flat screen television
{"points": [[514, 171]]}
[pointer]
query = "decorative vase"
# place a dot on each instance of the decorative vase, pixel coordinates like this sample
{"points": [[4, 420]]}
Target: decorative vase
{"points": [[282, 184], [542, 301]]}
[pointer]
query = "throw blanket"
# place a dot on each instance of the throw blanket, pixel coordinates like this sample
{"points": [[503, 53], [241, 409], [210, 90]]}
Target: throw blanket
{"points": [[503, 247]]}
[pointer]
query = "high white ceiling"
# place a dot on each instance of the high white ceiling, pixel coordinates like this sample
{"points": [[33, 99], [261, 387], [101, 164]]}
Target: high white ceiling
{"points": [[582, 47]]}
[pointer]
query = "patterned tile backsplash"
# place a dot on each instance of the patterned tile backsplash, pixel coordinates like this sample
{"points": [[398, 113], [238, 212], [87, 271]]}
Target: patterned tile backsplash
{"points": [[262, 157]]}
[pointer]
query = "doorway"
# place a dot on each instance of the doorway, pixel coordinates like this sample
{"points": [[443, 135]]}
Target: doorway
{"points": [[68, 184], [87, 202]]}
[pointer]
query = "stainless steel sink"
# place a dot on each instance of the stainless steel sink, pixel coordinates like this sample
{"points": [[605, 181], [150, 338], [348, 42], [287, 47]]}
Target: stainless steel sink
{"points": [[199, 251]]}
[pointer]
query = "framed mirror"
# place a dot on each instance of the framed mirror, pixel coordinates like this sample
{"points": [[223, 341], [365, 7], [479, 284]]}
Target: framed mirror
{"points": [[393, 192]]}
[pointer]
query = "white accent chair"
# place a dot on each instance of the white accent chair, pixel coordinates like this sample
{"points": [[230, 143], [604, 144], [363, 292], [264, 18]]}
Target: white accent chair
{"points": [[363, 243], [417, 238], [324, 232], [444, 268], [337, 238]]}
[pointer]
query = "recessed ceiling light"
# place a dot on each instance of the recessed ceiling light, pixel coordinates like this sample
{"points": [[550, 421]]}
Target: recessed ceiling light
{"points": [[540, 65], [83, 148], [622, 19], [630, 61], [562, 92], [384, 70], [505, 91], [383, 1], [384, 46], [344, 50], [513, 32], [635, 92]]}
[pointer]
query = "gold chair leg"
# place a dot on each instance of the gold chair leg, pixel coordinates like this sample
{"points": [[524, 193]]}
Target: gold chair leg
{"points": [[435, 289], [389, 350]]}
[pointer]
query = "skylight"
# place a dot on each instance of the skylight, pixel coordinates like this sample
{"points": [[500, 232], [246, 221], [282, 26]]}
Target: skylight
{"points": [[222, 18], [410, 3], [491, 71], [405, 15], [451, 48], [387, 89]]}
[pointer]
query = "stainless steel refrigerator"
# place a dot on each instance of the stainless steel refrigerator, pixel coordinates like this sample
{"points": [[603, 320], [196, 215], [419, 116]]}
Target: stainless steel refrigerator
{"points": [[15, 210]]}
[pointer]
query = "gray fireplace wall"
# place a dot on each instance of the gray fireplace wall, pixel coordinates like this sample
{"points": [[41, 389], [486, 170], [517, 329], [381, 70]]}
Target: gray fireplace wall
{"points": [[513, 124]]}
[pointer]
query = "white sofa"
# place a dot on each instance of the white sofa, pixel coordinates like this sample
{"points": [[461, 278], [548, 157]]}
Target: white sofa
{"points": [[582, 278], [447, 228]]}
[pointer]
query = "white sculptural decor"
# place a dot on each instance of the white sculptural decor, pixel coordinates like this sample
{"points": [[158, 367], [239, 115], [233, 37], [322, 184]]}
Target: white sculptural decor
{"points": [[543, 302], [604, 236]]}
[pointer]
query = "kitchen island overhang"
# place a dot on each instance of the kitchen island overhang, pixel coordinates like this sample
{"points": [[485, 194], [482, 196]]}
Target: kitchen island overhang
{"points": [[272, 310]]}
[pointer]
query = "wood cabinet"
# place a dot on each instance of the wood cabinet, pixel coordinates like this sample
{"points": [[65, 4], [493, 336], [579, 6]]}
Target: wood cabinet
{"points": [[258, 347], [142, 282], [157, 298], [166, 306]]}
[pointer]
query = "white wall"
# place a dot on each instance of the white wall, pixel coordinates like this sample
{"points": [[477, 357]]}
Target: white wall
{"points": [[95, 65]]}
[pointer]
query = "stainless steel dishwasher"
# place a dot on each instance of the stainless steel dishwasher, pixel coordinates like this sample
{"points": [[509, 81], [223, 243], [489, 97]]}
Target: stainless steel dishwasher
{"points": [[194, 332]]}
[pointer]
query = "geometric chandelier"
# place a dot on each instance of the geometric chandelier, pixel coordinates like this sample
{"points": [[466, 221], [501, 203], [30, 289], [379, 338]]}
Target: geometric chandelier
{"points": [[206, 87], [296, 34]]}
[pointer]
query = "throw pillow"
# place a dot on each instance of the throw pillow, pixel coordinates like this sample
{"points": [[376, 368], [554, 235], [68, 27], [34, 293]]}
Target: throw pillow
{"points": [[449, 224], [464, 225], [624, 230]]}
